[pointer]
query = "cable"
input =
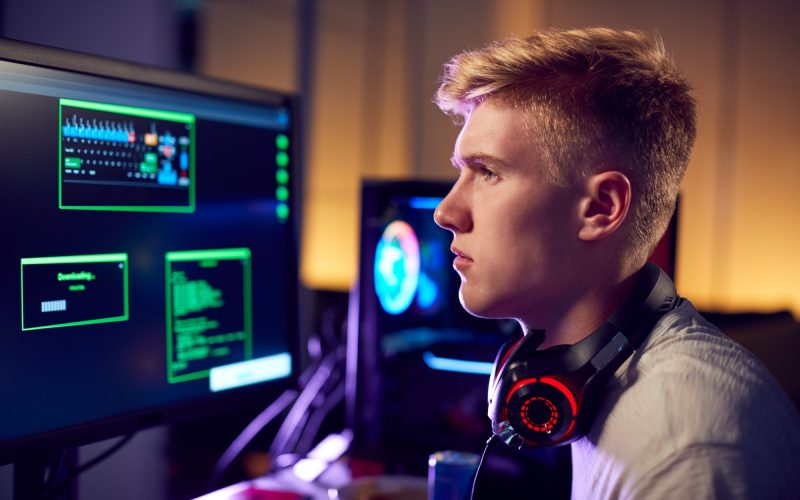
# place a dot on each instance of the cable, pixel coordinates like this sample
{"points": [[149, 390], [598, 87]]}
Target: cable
{"points": [[320, 399], [333, 379], [298, 413], [318, 416], [476, 482], [332, 396], [301, 405], [253, 428], [72, 474], [309, 371]]}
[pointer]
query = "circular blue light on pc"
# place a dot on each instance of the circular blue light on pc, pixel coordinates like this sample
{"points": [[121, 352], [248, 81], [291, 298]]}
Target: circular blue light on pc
{"points": [[428, 292], [397, 267]]}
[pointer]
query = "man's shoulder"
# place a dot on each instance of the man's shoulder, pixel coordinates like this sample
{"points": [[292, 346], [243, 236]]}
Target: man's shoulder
{"points": [[698, 384], [686, 351], [689, 394]]}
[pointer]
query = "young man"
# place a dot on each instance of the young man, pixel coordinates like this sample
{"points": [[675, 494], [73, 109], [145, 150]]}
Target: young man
{"points": [[570, 158]]}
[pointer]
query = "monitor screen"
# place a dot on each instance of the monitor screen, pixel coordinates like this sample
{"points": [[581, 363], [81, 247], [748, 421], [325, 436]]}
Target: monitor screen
{"points": [[149, 264]]}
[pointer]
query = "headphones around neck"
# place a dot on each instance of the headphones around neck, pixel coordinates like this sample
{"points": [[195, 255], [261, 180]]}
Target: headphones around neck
{"points": [[549, 397]]}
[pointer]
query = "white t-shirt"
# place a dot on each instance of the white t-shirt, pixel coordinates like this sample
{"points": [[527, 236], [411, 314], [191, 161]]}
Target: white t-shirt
{"points": [[691, 415]]}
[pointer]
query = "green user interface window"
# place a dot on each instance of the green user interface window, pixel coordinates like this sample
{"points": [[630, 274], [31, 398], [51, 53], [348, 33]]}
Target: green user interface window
{"points": [[73, 290], [125, 158], [209, 316]]}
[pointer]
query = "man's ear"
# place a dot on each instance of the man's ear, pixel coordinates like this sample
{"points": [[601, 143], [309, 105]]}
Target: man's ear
{"points": [[604, 206]]}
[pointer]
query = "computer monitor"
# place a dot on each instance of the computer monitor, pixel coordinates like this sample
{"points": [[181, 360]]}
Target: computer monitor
{"points": [[148, 269]]}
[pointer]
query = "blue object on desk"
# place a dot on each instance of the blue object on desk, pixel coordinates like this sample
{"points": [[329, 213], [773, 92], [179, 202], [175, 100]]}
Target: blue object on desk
{"points": [[450, 474]]}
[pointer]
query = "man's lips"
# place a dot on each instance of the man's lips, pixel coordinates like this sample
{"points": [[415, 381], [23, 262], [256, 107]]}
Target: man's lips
{"points": [[459, 253], [462, 261]]}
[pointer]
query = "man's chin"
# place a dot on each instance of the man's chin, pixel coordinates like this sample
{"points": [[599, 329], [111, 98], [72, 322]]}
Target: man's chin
{"points": [[479, 309]]}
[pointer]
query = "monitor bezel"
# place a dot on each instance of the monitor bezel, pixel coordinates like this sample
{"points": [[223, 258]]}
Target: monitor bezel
{"points": [[53, 441]]}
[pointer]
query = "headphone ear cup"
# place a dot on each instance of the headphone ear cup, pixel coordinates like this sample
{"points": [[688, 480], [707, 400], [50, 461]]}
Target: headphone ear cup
{"points": [[542, 411]]}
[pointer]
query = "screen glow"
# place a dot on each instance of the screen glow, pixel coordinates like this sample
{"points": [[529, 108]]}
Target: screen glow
{"points": [[250, 372], [397, 267], [456, 365]]}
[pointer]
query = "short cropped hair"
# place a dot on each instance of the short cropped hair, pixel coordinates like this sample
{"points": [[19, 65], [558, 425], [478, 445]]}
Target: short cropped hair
{"points": [[600, 99]]}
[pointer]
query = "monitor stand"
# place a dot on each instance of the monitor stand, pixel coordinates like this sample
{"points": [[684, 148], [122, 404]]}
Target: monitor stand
{"points": [[35, 478]]}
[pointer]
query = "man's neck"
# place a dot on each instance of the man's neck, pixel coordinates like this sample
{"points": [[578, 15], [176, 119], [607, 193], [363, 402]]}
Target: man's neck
{"points": [[585, 313]]}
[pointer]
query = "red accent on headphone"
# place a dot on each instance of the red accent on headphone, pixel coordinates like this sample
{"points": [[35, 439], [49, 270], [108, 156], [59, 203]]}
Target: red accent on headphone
{"points": [[565, 390], [547, 426], [551, 382], [519, 384]]}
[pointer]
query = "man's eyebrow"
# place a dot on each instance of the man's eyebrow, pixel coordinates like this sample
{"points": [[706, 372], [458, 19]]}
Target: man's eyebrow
{"points": [[482, 159]]}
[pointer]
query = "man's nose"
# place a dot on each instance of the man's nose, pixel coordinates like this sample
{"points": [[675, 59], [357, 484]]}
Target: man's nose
{"points": [[452, 213]]}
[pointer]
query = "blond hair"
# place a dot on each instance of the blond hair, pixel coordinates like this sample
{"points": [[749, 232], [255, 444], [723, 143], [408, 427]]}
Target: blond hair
{"points": [[600, 99]]}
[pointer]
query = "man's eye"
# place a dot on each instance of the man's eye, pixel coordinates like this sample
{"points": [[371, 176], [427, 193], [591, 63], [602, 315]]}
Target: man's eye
{"points": [[488, 174]]}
